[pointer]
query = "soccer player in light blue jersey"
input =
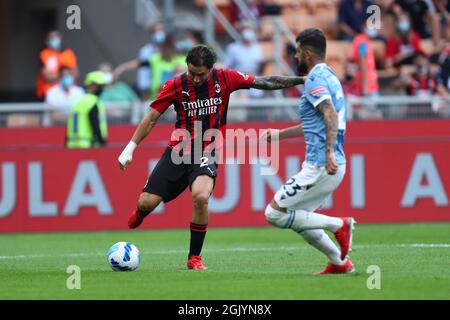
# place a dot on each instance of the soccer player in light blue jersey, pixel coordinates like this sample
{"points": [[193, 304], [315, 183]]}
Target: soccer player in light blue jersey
{"points": [[323, 115]]}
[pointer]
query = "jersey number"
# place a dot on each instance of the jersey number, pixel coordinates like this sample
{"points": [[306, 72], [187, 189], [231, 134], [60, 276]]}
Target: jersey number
{"points": [[204, 162]]}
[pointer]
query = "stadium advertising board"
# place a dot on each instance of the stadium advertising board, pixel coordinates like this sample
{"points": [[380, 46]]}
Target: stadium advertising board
{"points": [[396, 172]]}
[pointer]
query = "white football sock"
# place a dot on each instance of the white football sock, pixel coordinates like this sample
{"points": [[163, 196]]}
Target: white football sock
{"points": [[322, 242], [305, 220]]}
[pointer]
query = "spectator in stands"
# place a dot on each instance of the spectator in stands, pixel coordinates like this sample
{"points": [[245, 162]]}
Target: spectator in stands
{"points": [[52, 58], [362, 56], [165, 65], [86, 125], [187, 40], [144, 76], [403, 46], [351, 15], [364, 81], [246, 56], [62, 97], [424, 18], [424, 82], [443, 11], [115, 91]]}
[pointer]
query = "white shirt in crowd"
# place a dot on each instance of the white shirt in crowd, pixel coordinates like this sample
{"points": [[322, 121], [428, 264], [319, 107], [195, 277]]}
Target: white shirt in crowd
{"points": [[247, 59], [63, 100]]}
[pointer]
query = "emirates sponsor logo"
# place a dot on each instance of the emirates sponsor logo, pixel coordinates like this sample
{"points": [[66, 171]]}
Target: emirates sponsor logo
{"points": [[202, 103]]}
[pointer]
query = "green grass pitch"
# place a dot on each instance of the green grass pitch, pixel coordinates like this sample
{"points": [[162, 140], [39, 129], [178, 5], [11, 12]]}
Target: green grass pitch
{"points": [[244, 263]]}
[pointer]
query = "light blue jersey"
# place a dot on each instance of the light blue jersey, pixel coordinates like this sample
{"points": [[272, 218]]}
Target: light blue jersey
{"points": [[322, 83]]}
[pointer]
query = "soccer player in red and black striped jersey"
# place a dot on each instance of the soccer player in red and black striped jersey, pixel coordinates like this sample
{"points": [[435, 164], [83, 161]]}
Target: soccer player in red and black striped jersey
{"points": [[200, 95]]}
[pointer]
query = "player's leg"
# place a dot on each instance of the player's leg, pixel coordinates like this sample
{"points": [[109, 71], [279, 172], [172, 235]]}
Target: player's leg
{"points": [[165, 183], [302, 194], [201, 175], [310, 200], [299, 194], [146, 204], [201, 191], [282, 218]]}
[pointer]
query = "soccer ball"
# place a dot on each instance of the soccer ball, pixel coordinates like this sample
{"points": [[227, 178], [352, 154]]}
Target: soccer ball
{"points": [[123, 256]]}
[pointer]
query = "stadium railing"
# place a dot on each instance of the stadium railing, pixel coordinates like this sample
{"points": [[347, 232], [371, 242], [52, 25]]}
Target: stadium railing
{"points": [[266, 109]]}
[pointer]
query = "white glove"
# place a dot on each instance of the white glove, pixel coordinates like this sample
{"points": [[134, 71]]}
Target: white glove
{"points": [[127, 155]]}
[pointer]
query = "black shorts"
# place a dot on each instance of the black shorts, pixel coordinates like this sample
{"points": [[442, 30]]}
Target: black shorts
{"points": [[168, 180]]}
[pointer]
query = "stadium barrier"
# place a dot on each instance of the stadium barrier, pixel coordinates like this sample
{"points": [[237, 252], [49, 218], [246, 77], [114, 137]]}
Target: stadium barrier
{"points": [[397, 171], [253, 110]]}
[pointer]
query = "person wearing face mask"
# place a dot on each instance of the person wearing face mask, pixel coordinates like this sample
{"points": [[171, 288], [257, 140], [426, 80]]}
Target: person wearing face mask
{"points": [[61, 97], [187, 41], [157, 37], [52, 58], [115, 91], [362, 55], [87, 126], [164, 65], [403, 46], [246, 55], [424, 17]]}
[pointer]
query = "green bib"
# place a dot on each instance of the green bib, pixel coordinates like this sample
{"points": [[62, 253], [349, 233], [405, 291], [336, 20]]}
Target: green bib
{"points": [[163, 70], [79, 130]]}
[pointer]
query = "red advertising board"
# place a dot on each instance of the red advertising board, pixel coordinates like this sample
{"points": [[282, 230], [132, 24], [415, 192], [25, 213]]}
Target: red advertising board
{"points": [[397, 171]]}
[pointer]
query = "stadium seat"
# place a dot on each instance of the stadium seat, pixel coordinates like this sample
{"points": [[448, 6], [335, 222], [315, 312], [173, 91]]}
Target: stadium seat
{"points": [[299, 20]]}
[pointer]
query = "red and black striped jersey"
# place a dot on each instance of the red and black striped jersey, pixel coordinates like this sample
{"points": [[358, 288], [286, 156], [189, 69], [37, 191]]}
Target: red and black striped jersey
{"points": [[207, 104]]}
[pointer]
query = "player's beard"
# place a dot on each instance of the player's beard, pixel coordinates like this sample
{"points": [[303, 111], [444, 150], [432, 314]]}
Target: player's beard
{"points": [[302, 69]]}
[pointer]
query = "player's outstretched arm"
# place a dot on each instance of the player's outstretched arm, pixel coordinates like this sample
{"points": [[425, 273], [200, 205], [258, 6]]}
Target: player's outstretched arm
{"points": [[142, 131], [273, 134], [330, 118], [276, 82]]}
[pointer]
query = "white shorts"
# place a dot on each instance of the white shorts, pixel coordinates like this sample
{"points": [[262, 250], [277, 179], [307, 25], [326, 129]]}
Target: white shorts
{"points": [[309, 188]]}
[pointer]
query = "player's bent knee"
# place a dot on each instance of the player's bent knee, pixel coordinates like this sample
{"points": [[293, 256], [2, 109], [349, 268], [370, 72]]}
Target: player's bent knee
{"points": [[278, 218], [148, 202]]}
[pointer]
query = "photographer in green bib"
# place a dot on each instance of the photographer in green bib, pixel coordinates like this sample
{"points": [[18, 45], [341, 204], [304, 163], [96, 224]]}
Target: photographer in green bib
{"points": [[86, 125]]}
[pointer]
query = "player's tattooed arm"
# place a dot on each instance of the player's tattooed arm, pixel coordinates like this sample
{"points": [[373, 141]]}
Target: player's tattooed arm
{"points": [[330, 118], [276, 82]]}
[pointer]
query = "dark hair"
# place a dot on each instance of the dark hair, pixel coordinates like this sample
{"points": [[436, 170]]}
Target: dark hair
{"points": [[201, 55], [315, 40]]}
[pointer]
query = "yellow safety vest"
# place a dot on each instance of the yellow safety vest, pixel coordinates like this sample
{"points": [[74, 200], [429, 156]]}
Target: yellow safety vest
{"points": [[79, 130]]}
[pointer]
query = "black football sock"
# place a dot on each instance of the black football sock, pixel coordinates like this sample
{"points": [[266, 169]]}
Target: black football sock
{"points": [[198, 233], [142, 213]]}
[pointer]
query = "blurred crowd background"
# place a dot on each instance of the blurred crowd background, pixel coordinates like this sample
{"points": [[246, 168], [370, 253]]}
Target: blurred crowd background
{"points": [[393, 59]]}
